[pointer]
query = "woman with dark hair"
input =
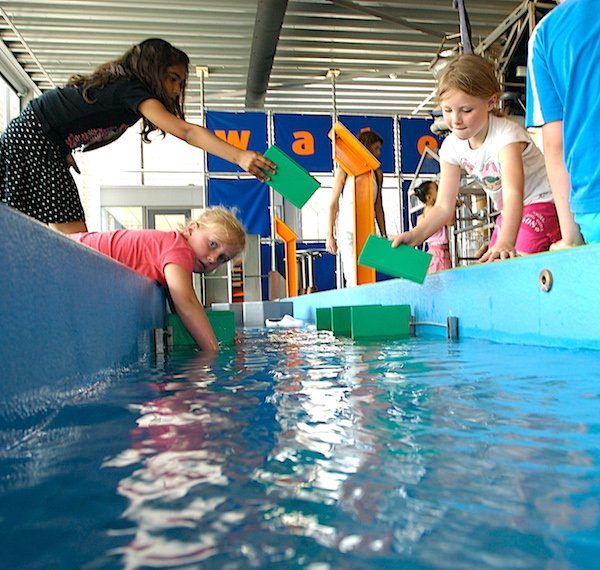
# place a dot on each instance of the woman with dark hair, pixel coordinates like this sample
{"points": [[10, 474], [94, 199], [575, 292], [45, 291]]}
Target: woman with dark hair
{"points": [[148, 82]]}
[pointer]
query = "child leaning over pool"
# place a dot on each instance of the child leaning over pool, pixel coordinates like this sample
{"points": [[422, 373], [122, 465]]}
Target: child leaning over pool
{"points": [[499, 154], [171, 257]]}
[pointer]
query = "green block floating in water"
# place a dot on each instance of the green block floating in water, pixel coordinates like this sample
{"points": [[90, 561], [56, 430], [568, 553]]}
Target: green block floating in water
{"points": [[379, 322], [292, 181], [222, 323], [341, 319], [401, 261], [323, 319]]}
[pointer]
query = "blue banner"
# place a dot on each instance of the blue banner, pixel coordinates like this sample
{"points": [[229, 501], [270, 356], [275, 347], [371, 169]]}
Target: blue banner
{"points": [[415, 135], [383, 126], [305, 139], [249, 196], [247, 131]]}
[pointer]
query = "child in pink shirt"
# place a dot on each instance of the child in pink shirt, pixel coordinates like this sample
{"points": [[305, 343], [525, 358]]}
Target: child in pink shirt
{"points": [[171, 257]]}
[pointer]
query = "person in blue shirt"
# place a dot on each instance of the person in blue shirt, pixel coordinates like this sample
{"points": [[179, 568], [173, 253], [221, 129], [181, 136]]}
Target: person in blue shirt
{"points": [[562, 82]]}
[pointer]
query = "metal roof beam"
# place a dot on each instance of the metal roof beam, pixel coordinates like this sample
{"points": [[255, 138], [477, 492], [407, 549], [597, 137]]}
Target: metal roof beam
{"points": [[269, 19]]}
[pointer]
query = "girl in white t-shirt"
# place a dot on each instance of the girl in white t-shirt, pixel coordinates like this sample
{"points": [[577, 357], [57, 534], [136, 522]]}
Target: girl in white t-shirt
{"points": [[499, 154]]}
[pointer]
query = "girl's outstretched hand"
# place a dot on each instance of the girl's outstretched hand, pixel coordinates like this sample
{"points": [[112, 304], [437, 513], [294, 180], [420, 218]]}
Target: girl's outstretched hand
{"points": [[255, 163], [498, 252], [408, 238]]}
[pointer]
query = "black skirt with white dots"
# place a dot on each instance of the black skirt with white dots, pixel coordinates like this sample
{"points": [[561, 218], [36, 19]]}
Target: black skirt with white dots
{"points": [[34, 176]]}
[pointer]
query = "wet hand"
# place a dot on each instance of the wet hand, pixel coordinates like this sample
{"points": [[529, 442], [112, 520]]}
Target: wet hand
{"points": [[255, 163]]}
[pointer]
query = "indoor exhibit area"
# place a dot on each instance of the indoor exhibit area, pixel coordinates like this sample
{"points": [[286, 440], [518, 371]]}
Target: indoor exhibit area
{"points": [[299, 284]]}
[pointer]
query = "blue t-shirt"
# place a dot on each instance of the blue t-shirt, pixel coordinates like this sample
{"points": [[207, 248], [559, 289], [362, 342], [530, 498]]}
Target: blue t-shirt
{"points": [[562, 84], [73, 123]]}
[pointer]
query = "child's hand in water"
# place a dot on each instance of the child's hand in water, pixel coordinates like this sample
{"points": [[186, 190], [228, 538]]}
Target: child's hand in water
{"points": [[254, 163]]}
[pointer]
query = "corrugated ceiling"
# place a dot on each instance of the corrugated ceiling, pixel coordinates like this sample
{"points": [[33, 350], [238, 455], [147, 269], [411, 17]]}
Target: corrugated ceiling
{"points": [[382, 48]]}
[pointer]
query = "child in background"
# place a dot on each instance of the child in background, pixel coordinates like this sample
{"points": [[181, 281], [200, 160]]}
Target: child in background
{"points": [[148, 82], [437, 244], [171, 257], [499, 154], [341, 211]]}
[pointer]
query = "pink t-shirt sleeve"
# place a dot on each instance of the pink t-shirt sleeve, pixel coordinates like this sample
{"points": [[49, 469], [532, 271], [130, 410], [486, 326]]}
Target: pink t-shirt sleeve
{"points": [[144, 251]]}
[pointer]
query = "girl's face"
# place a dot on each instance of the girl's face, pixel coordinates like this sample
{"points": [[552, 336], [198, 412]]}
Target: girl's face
{"points": [[208, 247], [467, 116], [174, 81], [375, 149]]}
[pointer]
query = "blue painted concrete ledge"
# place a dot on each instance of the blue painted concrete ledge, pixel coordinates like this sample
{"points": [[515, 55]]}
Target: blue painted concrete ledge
{"points": [[68, 314], [500, 301]]}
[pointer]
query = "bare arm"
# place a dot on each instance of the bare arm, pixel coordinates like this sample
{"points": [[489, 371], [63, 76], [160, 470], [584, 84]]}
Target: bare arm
{"points": [[513, 181], [439, 215], [188, 307], [195, 135], [339, 180], [552, 134], [379, 214]]}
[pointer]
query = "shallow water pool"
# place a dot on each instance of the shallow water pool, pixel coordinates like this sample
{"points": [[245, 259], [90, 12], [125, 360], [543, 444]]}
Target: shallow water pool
{"points": [[300, 450]]}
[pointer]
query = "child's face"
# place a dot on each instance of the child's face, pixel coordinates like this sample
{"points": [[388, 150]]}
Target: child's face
{"points": [[375, 149], [467, 116], [208, 247], [174, 81]]}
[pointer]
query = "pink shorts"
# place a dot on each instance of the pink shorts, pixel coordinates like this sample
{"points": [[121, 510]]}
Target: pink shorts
{"points": [[539, 228]]}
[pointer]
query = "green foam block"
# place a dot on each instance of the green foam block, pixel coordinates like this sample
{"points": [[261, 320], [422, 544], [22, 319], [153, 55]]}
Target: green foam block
{"points": [[292, 181], [222, 323], [323, 318], [380, 322], [341, 320], [401, 261]]}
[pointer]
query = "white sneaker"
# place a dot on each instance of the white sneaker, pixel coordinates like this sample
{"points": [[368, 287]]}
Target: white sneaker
{"points": [[285, 321]]}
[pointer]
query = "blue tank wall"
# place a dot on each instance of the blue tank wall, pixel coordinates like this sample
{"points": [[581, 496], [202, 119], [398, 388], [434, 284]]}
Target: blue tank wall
{"points": [[499, 301], [67, 312]]}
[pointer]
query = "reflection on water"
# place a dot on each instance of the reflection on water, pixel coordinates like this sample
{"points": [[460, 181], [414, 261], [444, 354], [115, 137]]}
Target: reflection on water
{"points": [[299, 450]]}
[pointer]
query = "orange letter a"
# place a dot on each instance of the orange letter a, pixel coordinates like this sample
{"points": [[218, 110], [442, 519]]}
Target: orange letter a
{"points": [[304, 143]]}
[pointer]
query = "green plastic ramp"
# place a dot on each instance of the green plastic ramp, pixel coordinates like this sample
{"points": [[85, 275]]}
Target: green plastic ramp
{"points": [[292, 181], [401, 261]]}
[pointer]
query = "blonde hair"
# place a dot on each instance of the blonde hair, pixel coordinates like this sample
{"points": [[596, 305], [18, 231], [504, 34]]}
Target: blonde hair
{"points": [[225, 225], [471, 74]]}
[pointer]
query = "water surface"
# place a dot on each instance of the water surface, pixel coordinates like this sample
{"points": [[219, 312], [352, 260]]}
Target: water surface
{"points": [[299, 450]]}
